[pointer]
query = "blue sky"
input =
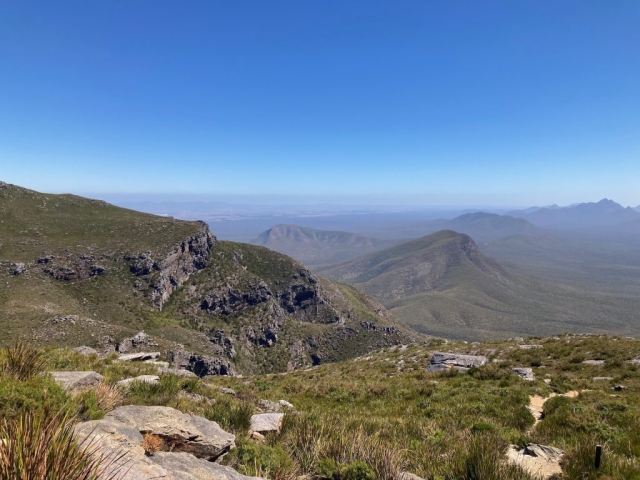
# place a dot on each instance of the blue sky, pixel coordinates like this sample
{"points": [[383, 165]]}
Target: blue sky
{"points": [[456, 102]]}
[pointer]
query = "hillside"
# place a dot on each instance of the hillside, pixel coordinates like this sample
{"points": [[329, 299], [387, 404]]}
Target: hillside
{"points": [[79, 271], [318, 247], [443, 285], [440, 410]]}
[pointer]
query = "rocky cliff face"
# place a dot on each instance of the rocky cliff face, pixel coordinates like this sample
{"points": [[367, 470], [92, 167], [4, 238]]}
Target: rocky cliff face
{"points": [[168, 274]]}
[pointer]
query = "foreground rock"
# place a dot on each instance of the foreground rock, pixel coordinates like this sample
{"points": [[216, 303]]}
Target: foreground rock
{"points": [[539, 461], [180, 432], [115, 440], [184, 466], [444, 361], [266, 422], [77, 380]]}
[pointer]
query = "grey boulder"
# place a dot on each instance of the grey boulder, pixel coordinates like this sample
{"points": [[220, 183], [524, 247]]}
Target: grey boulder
{"points": [[181, 432], [84, 350], [524, 373], [121, 446], [266, 422], [77, 380], [443, 361], [151, 379]]}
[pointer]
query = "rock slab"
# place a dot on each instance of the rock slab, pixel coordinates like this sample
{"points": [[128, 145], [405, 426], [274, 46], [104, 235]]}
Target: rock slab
{"points": [[266, 422], [113, 439], [139, 357], [444, 361], [181, 432], [77, 380], [524, 373], [152, 379], [540, 461]]}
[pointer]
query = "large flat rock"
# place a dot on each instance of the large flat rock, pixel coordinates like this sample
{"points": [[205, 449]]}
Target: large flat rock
{"points": [[181, 432], [113, 439], [442, 361], [152, 379], [77, 380], [184, 466], [138, 357]]}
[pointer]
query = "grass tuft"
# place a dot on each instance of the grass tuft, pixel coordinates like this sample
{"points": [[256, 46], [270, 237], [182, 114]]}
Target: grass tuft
{"points": [[40, 446], [21, 361]]}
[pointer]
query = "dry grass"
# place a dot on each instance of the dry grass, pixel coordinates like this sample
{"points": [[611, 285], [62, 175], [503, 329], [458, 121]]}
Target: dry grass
{"points": [[42, 447], [109, 396], [152, 443]]}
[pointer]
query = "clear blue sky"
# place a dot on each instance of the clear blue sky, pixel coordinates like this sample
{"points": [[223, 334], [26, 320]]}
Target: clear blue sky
{"points": [[442, 102]]}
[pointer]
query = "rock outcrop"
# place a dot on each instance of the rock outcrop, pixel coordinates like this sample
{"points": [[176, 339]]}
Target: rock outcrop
{"points": [[121, 441], [179, 431], [524, 373], [151, 379], [77, 380], [169, 273], [539, 461], [444, 361], [202, 366], [84, 350], [266, 422]]}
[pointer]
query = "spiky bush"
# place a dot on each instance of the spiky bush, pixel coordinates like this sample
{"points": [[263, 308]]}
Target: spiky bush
{"points": [[22, 361], [37, 446]]}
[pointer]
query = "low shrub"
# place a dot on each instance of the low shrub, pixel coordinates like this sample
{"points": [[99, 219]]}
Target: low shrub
{"points": [[231, 415]]}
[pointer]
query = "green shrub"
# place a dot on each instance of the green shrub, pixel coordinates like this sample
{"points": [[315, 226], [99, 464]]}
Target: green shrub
{"points": [[231, 414], [260, 459], [38, 394], [355, 470]]}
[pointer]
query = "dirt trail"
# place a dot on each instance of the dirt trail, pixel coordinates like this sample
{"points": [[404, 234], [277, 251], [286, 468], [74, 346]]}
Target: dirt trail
{"points": [[536, 404], [540, 461]]}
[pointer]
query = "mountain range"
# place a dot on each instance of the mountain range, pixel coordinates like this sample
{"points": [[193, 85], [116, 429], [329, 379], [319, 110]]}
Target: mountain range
{"points": [[604, 213]]}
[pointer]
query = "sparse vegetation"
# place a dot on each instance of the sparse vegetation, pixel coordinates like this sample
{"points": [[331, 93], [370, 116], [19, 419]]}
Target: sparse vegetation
{"points": [[383, 414]]}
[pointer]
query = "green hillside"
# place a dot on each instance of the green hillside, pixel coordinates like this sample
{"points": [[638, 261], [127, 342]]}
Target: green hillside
{"points": [[318, 247], [77, 271], [443, 285]]}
